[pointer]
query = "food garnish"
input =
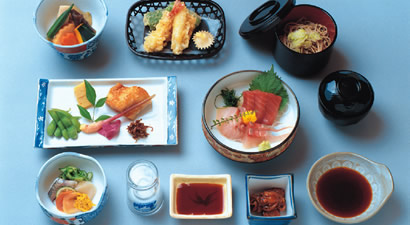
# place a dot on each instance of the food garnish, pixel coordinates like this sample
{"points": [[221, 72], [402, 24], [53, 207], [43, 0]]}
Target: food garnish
{"points": [[71, 27], [73, 173], [80, 93], [91, 97], [203, 39], [83, 202], [270, 82], [270, 202], [138, 130], [229, 97], [248, 117], [63, 124], [264, 145]]}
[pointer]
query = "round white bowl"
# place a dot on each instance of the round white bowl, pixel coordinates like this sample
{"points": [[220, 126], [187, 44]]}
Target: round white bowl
{"points": [[49, 172], [239, 81], [378, 176], [46, 13]]}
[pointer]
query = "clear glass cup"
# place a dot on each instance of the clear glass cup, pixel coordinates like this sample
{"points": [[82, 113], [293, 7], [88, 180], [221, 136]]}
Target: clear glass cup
{"points": [[144, 196]]}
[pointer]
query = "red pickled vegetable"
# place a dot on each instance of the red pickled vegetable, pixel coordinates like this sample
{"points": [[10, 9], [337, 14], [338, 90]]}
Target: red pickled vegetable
{"points": [[110, 130]]}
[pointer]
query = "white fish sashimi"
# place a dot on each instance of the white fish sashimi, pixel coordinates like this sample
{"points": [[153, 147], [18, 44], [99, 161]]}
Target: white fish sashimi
{"points": [[87, 187], [59, 183]]}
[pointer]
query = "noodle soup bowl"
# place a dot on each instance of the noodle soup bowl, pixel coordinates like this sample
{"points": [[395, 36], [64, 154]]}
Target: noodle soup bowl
{"points": [[46, 13], [50, 171], [301, 64], [259, 183]]}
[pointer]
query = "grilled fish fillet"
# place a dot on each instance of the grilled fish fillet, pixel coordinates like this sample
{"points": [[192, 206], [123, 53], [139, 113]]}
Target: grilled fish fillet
{"points": [[120, 98]]}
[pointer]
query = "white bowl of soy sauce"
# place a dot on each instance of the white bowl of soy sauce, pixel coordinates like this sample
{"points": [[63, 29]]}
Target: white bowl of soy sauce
{"points": [[348, 188]]}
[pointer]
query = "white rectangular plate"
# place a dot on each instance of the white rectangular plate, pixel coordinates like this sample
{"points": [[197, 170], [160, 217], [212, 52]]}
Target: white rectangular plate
{"points": [[162, 115]]}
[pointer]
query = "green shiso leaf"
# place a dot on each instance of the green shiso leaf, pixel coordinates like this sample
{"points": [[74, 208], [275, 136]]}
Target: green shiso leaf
{"points": [[84, 112], [102, 117], [270, 82], [90, 92], [101, 102]]}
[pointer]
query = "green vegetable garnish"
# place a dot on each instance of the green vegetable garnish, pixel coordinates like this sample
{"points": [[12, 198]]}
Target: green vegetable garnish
{"points": [[229, 97], [270, 82], [91, 97], [58, 23], [73, 173]]}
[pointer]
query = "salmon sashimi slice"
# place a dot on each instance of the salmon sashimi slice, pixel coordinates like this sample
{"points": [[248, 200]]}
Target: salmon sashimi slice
{"points": [[232, 129], [266, 105]]}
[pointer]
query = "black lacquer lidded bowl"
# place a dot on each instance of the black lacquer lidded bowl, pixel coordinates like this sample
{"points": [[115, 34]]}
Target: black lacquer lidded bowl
{"points": [[273, 15], [345, 97]]}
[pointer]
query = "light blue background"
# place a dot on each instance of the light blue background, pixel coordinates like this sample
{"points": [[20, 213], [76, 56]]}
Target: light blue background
{"points": [[373, 39]]}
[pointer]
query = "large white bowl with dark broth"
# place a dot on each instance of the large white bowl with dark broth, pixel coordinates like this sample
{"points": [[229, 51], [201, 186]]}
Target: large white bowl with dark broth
{"points": [[239, 81]]}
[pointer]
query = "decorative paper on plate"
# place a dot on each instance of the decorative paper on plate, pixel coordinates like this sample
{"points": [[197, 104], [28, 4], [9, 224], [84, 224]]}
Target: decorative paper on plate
{"points": [[212, 20], [161, 114]]}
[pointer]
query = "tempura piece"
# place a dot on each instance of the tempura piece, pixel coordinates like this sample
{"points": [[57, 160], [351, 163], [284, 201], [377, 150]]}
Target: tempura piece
{"points": [[182, 28], [157, 39]]}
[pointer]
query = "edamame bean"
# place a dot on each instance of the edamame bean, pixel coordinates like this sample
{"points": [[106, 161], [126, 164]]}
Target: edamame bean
{"points": [[72, 132], [57, 132], [61, 125], [65, 134], [54, 115], [76, 124], [51, 128], [66, 121]]}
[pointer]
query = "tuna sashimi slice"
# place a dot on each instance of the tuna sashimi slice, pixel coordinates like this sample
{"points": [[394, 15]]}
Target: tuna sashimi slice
{"points": [[266, 105], [232, 129]]}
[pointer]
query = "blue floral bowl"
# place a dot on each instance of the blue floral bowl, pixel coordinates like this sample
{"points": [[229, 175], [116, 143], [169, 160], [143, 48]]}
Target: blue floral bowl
{"points": [[258, 183], [49, 172], [46, 13]]}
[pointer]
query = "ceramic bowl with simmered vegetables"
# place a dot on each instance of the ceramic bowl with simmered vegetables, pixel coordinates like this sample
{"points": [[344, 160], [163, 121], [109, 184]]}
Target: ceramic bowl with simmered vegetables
{"points": [[71, 27], [270, 199], [250, 116], [71, 188]]}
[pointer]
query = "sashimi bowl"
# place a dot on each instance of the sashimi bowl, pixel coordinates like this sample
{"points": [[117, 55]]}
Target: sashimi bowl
{"points": [[260, 127], [47, 179], [46, 13]]}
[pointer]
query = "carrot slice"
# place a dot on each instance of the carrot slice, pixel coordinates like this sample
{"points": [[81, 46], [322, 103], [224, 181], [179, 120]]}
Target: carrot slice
{"points": [[59, 199], [69, 39], [68, 203]]}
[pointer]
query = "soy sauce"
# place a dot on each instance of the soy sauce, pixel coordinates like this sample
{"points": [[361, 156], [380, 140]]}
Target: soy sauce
{"points": [[199, 198], [344, 192]]}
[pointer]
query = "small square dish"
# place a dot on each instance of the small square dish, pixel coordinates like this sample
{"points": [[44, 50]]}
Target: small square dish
{"points": [[212, 21], [277, 187], [200, 196]]}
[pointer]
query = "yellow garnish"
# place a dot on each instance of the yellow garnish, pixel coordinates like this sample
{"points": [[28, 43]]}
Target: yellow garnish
{"points": [[203, 39], [249, 116], [264, 145], [301, 38], [83, 202]]}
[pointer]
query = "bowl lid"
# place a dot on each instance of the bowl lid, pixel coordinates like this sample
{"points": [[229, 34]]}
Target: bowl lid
{"points": [[346, 93], [265, 17]]}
